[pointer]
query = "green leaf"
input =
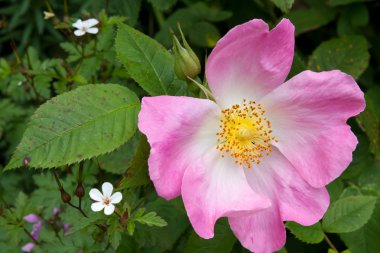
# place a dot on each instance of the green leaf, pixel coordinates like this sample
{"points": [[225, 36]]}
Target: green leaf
{"points": [[365, 239], [348, 214], [163, 5], [349, 54], [335, 188], [86, 122], [309, 19], [284, 5], [120, 160], [137, 173], [342, 2], [222, 242], [147, 62], [151, 219], [369, 122], [115, 238], [308, 234]]}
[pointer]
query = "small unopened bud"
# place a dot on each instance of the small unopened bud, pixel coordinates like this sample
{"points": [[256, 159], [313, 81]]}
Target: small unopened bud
{"points": [[66, 198], [186, 62], [48, 15], [79, 191]]}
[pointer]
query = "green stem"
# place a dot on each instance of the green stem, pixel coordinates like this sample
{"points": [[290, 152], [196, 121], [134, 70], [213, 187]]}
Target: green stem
{"points": [[159, 16], [328, 241]]}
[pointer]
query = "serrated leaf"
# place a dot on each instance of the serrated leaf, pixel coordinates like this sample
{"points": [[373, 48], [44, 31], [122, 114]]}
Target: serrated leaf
{"points": [[151, 219], [84, 123], [365, 239], [348, 54], [348, 214], [284, 5], [147, 62], [222, 242], [308, 234], [115, 238]]}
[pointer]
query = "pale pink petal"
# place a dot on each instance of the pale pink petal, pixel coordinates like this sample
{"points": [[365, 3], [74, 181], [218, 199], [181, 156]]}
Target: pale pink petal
{"points": [[250, 61], [179, 130], [93, 30], [109, 209], [96, 195], [262, 232], [297, 201], [215, 187], [116, 198], [90, 22], [78, 24], [107, 189], [28, 247], [308, 115], [79, 32], [97, 206], [31, 218]]}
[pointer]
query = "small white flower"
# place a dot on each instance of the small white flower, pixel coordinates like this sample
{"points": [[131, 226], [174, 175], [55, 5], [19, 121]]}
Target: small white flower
{"points": [[86, 26], [105, 200]]}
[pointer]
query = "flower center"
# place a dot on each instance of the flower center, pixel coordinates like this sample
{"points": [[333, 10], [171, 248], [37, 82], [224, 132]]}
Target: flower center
{"points": [[245, 133], [106, 200]]}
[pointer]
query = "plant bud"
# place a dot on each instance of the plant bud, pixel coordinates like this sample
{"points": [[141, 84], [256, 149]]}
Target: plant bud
{"points": [[79, 191], [186, 62], [66, 198]]}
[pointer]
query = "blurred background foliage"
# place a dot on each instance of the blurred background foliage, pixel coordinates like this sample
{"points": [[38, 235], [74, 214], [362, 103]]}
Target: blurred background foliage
{"points": [[40, 59]]}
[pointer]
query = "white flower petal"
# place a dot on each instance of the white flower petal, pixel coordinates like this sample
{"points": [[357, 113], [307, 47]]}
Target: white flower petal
{"points": [[116, 198], [93, 30], [78, 24], [90, 22], [96, 195], [97, 206], [109, 209], [107, 189], [79, 33]]}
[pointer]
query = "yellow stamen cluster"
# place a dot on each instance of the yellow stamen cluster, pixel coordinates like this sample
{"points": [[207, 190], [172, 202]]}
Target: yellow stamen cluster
{"points": [[245, 133]]}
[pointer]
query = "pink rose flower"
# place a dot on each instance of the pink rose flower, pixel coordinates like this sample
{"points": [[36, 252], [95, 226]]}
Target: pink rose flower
{"points": [[263, 152]]}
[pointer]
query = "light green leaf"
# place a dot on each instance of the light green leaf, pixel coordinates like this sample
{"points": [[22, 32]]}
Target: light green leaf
{"points": [[284, 5], [147, 62], [84, 123], [349, 54], [365, 239], [222, 242], [348, 214], [308, 234], [151, 219]]}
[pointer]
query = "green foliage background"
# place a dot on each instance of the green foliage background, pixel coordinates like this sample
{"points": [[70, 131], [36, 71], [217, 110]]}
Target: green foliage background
{"points": [[69, 105]]}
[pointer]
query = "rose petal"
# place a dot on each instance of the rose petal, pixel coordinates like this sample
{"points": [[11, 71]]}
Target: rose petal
{"points": [[214, 187], [28, 247], [250, 61], [262, 232], [179, 130], [31, 218], [308, 115]]}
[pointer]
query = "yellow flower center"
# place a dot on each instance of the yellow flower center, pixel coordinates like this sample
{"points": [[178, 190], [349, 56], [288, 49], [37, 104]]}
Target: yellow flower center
{"points": [[245, 133]]}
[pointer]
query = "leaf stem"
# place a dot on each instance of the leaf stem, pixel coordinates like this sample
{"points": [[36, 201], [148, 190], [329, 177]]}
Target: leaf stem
{"points": [[159, 16], [325, 237]]}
